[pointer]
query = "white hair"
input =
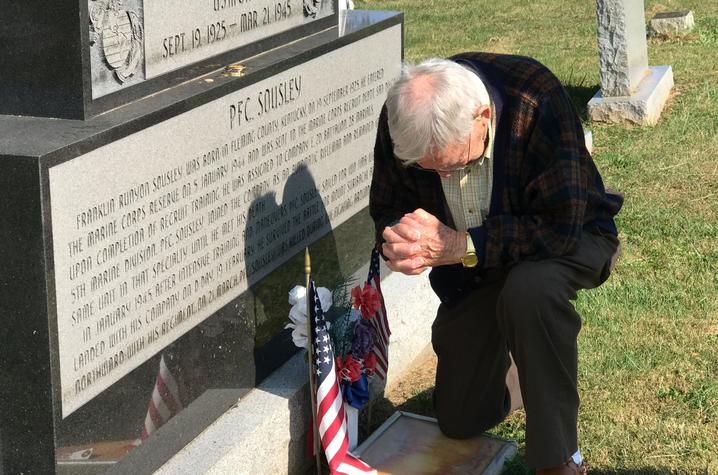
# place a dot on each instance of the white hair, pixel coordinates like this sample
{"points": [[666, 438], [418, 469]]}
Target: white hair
{"points": [[421, 124]]}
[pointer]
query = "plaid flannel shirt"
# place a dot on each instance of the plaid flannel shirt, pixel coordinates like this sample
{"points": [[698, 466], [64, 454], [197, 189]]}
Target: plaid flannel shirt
{"points": [[546, 187]]}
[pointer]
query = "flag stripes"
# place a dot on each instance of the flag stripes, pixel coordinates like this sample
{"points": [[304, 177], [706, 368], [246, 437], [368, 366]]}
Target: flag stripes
{"points": [[380, 321], [165, 402], [331, 418]]}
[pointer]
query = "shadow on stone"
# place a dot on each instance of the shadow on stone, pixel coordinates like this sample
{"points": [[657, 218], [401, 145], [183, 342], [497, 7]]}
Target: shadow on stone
{"points": [[276, 230], [382, 408]]}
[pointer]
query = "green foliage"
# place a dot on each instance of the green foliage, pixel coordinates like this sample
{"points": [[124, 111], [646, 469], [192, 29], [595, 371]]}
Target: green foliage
{"points": [[702, 397], [648, 350], [341, 329], [708, 31]]}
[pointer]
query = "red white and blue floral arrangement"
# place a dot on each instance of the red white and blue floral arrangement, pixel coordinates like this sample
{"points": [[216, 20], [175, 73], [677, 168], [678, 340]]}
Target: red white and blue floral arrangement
{"points": [[352, 334]]}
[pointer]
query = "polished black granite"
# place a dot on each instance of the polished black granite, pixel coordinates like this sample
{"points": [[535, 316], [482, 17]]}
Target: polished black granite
{"points": [[45, 60], [57, 140], [219, 361]]}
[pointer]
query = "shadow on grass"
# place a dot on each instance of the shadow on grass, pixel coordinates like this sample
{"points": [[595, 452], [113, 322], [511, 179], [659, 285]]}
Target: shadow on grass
{"points": [[580, 95], [382, 408]]}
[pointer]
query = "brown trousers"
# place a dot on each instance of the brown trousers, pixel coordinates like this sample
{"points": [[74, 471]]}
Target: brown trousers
{"points": [[527, 310]]}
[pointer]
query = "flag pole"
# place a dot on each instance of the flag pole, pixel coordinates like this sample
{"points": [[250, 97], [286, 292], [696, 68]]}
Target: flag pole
{"points": [[312, 375]]}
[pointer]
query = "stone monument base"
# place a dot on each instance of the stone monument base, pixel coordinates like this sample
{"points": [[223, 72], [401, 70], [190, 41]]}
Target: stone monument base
{"points": [[265, 432], [643, 108]]}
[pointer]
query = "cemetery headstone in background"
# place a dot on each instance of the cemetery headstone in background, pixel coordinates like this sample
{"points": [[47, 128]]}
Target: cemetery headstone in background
{"points": [[673, 24], [630, 89]]}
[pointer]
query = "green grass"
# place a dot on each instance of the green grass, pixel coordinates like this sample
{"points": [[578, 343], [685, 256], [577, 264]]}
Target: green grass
{"points": [[649, 346]]}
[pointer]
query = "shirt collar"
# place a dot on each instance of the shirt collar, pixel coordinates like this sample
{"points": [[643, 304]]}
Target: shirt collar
{"points": [[489, 152]]}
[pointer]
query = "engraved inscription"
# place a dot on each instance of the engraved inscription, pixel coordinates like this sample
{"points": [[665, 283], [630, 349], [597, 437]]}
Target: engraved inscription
{"points": [[213, 27], [134, 40], [173, 222]]}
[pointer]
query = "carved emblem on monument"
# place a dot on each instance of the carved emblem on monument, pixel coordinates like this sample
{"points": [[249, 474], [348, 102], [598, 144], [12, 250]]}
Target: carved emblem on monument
{"points": [[119, 34], [311, 8]]}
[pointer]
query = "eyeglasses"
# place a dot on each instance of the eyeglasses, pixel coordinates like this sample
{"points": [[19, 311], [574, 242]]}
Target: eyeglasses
{"points": [[442, 170], [446, 170]]}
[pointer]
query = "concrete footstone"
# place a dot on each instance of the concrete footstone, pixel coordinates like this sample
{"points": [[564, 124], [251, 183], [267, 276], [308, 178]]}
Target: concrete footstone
{"points": [[673, 24]]}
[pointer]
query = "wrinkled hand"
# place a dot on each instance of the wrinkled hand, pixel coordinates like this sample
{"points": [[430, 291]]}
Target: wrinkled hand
{"points": [[419, 241]]}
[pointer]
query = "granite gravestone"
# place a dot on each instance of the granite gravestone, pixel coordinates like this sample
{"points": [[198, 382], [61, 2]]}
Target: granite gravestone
{"points": [[147, 252], [630, 90], [77, 58]]}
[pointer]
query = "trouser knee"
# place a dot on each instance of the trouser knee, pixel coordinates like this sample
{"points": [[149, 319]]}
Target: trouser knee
{"points": [[532, 300], [461, 422]]}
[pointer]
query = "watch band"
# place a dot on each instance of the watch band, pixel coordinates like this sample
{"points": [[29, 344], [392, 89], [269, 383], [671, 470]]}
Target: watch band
{"points": [[470, 259], [469, 244]]}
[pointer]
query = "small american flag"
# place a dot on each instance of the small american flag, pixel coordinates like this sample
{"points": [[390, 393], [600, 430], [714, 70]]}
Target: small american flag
{"points": [[379, 322], [331, 417], [165, 402]]}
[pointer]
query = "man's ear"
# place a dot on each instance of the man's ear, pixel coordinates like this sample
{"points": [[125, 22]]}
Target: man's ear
{"points": [[483, 111]]}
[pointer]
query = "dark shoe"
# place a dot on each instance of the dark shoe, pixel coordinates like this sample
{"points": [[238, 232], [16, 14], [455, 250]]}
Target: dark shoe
{"points": [[569, 468]]}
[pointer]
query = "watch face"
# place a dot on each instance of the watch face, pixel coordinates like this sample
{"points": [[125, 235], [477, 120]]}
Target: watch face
{"points": [[470, 260]]}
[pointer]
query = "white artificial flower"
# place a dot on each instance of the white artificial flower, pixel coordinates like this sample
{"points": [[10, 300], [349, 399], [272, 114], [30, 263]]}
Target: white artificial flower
{"points": [[298, 316], [325, 297], [298, 312], [299, 334], [298, 292], [298, 297]]}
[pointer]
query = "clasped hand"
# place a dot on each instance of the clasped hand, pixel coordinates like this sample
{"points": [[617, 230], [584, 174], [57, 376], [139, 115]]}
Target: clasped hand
{"points": [[419, 240]]}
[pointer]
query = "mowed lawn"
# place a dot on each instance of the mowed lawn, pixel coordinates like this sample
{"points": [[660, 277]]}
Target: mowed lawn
{"points": [[649, 345]]}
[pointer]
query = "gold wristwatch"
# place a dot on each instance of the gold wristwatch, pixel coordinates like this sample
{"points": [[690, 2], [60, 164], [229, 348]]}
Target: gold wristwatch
{"points": [[470, 259]]}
